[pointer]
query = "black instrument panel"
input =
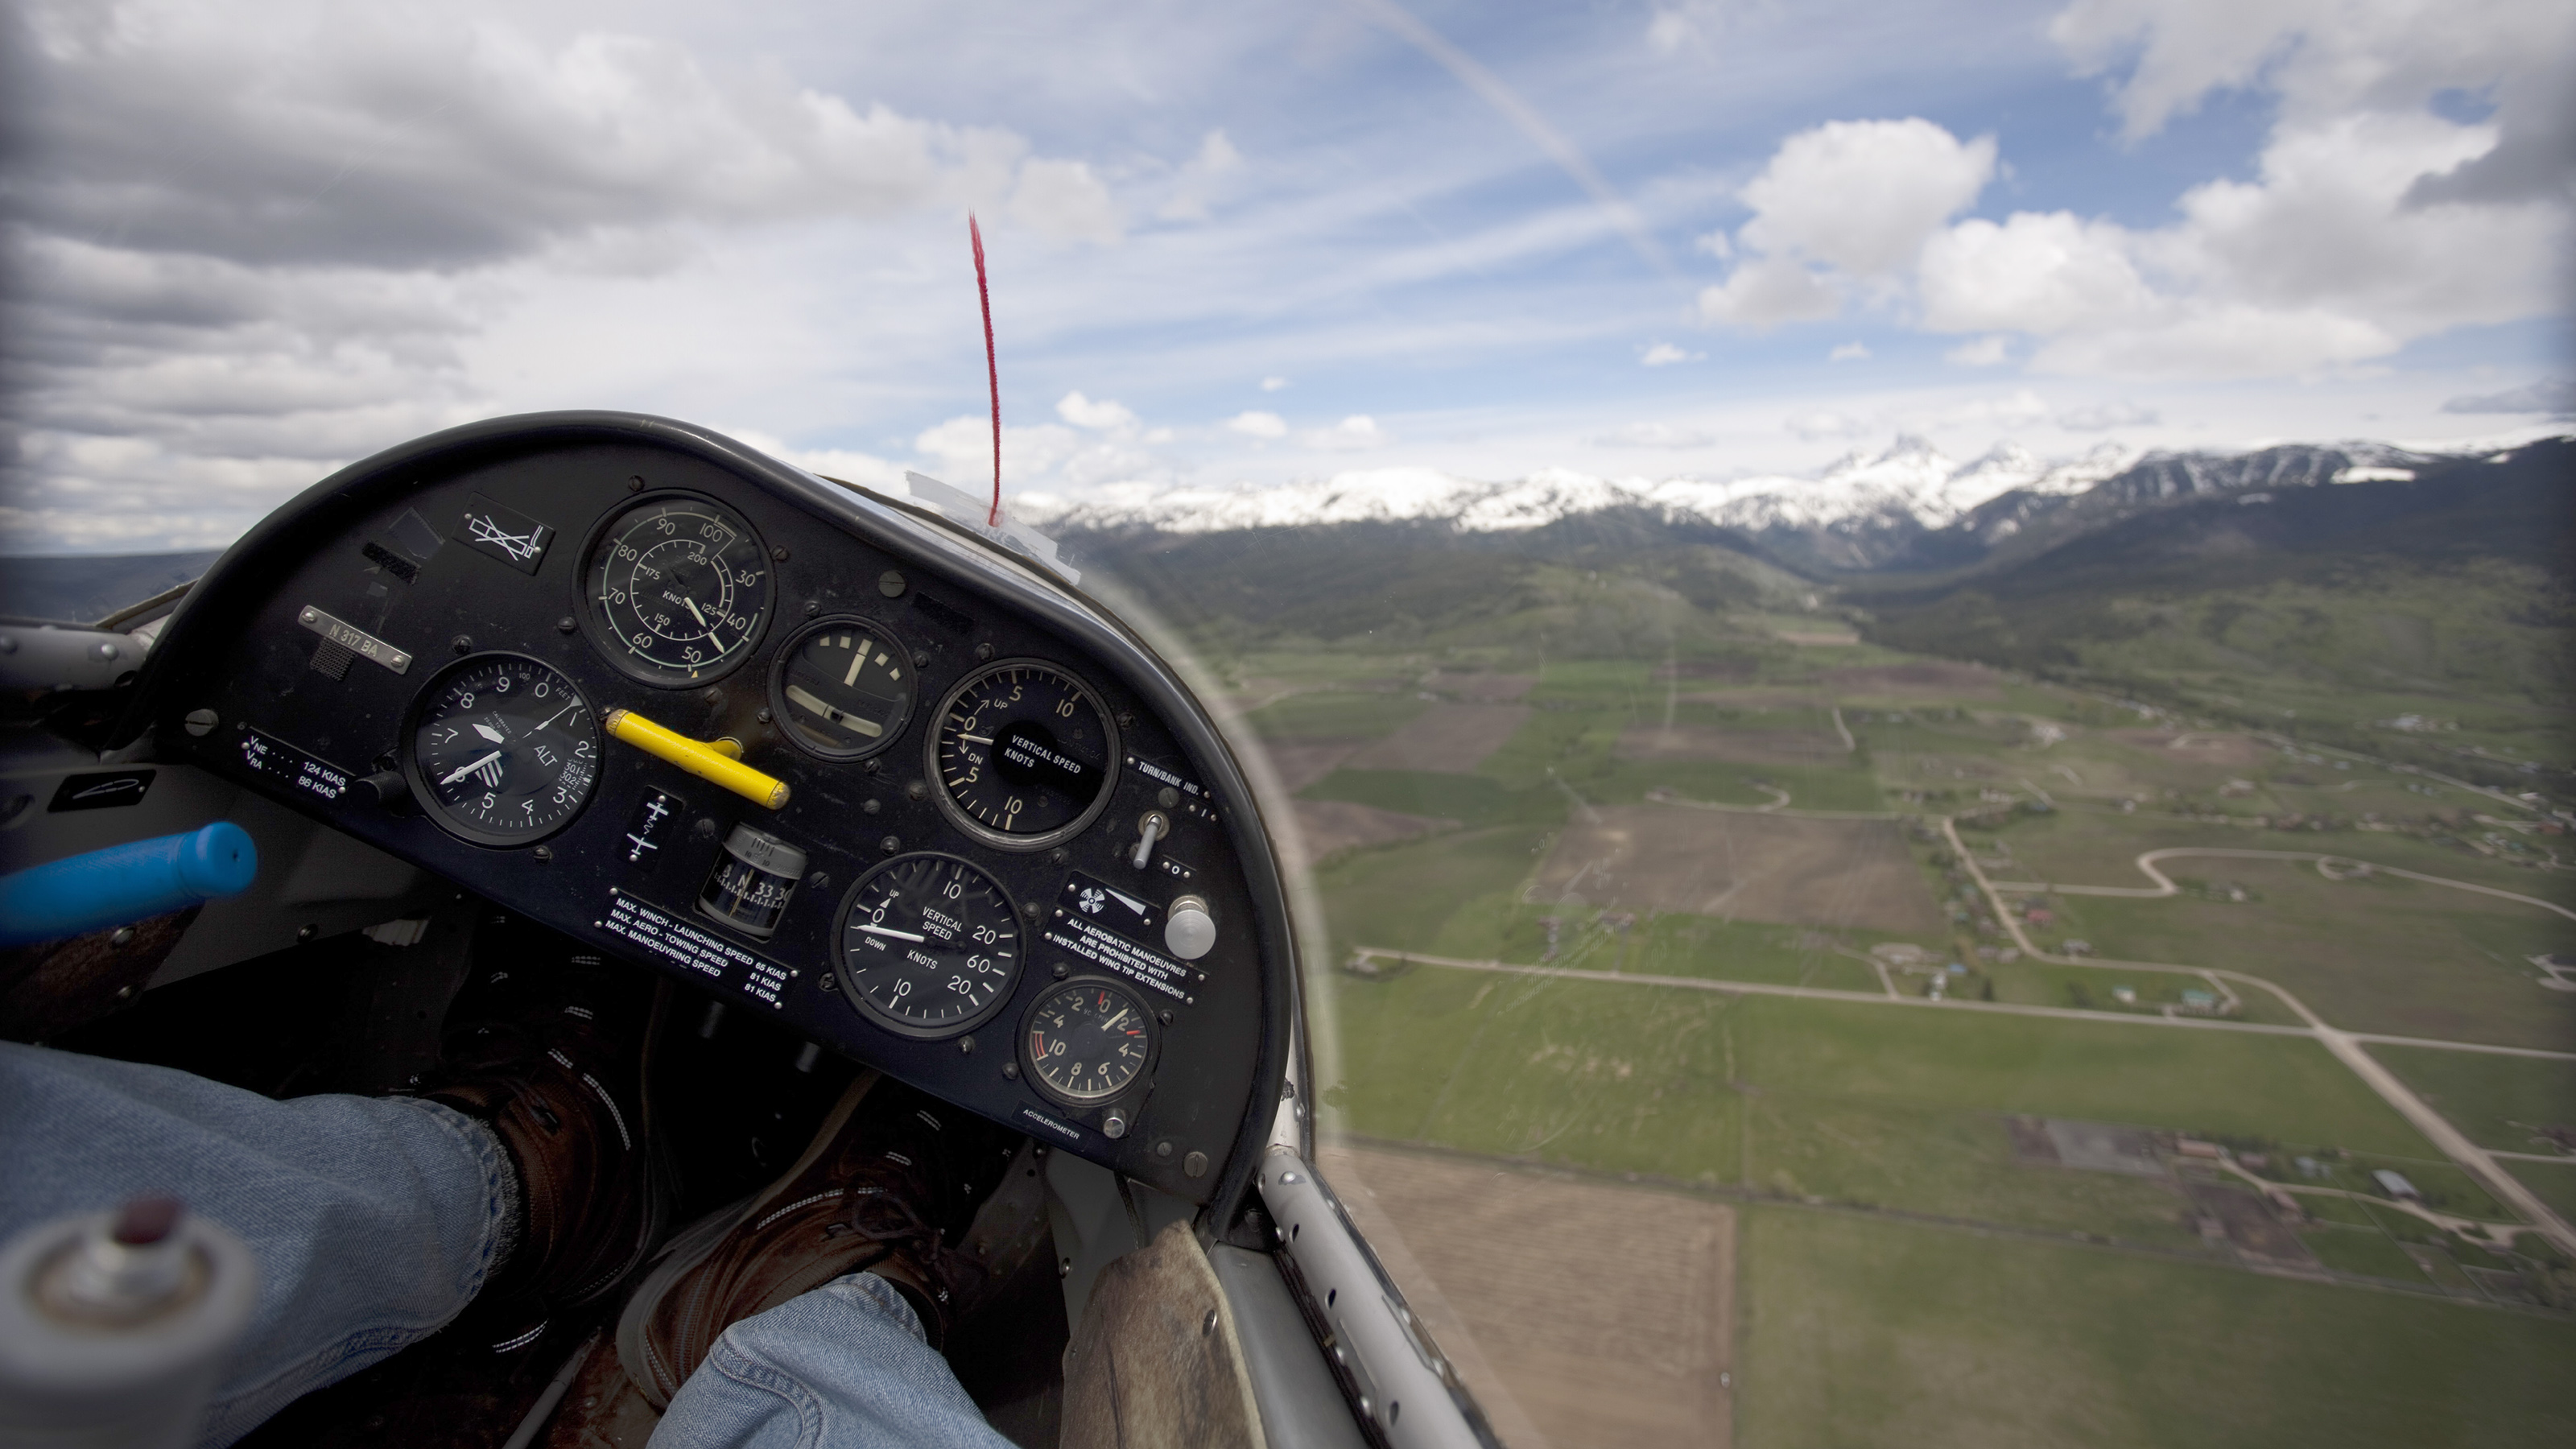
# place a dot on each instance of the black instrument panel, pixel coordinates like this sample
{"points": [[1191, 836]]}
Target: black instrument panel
{"points": [[563, 559]]}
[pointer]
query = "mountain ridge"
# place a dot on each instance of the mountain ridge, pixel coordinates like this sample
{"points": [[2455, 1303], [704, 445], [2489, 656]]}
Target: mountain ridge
{"points": [[1905, 508]]}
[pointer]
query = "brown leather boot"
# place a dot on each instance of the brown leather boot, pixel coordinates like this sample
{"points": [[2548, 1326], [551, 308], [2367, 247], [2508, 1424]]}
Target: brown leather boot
{"points": [[550, 1055], [885, 1190]]}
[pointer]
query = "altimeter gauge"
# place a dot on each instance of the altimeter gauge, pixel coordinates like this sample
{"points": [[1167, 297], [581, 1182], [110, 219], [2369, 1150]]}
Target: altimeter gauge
{"points": [[1024, 755], [503, 749], [677, 589], [1087, 1041], [929, 945]]}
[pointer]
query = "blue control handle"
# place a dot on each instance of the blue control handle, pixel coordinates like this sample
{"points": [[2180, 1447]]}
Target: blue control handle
{"points": [[125, 883]]}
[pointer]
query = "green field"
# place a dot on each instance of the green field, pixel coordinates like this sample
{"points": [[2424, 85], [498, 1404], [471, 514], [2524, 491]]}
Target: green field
{"points": [[1860, 1332], [2382, 954], [2499, 1101], [2364, 1250], [2552, 1182], [1637, 1078]]}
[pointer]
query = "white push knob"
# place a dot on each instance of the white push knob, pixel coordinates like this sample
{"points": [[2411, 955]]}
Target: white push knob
{"points": [[1189, 930]]}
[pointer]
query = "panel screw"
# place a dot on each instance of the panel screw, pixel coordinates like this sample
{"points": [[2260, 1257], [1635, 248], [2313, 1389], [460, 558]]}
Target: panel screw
{"points": [[307, 933], [635, 484], [705, 829], [921, 659], [828, 982], [1207, 1325], [202, 721], [983, 651], [916, 791], [1010, 1071], [462, 644], [566, 624], [966, 1046], [543, 853], [1126, 719], [1167, 797], [1194, 1165], [1064, 1268], [890, 845], [1059, 856], [778, 555], [870, 807], [1062, 971], [890, 583], [763, 715], [1163, 1148], [124, 936], [1030, 910], [1164, 1017], [813, 607], [819, 881]]}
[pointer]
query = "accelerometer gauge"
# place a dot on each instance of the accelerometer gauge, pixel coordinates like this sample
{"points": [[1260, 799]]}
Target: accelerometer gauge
{"points": [[1023, 755], [929, 945], [843, 688], [676, 589], [504, 750], [1087, 1041]]}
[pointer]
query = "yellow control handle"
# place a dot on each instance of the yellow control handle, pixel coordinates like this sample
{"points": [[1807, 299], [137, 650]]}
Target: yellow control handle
{"points": [[706, 761]]}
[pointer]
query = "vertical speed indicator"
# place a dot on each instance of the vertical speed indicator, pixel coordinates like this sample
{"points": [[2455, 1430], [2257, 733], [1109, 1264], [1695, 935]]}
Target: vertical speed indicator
{"points": [[1024, 755]]}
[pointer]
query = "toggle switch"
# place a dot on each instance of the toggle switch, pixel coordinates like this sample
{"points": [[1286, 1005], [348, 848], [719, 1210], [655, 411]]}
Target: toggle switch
{"points": [[1154, 826]]}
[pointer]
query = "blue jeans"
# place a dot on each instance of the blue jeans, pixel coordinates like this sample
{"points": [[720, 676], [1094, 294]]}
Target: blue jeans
{"points": [[374, 1222]]}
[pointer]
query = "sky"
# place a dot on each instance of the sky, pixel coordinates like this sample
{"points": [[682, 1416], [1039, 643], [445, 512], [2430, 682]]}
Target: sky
{"points": [[1240, 245]]}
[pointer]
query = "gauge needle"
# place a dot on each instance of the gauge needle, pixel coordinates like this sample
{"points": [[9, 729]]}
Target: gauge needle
{"points": [[702, 621], [558, 714], [977, 739], [805, 699], [890, 931], [856, 661], [461, 771]]}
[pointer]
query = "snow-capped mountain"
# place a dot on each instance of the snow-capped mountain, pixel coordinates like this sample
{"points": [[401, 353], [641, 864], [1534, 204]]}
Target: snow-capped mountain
{"points": [[1908, 505]]}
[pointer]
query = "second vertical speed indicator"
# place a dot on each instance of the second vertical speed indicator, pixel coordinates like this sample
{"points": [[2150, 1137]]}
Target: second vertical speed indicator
{"points": [[929, 945], [1024, 755]]}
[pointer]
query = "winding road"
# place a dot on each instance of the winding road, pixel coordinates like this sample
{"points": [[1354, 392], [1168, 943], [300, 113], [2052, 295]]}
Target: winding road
{"points": [[2346, 1046]]}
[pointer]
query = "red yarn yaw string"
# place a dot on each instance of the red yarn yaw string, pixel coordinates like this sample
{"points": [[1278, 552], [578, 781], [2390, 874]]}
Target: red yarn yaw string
{"points": [[992, 368]]}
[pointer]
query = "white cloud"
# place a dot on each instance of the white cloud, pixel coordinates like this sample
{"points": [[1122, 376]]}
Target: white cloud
{"points": [[1273, 384], [2550, 395], [2102, 417], [1654, 435], [1665, 354], [1062, 199], [1849, 352], [1198, 180], [1820, 427], [1848, 199], [1261, 425], [1862, 195], [1991, 350], [1352, 434], [1768, 291], [1082, 412]]}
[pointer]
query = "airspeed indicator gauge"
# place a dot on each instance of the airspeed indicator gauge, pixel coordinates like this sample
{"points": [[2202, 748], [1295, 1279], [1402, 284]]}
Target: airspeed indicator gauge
{"points": [[676, 590], [1024, 755], [503, 750]]}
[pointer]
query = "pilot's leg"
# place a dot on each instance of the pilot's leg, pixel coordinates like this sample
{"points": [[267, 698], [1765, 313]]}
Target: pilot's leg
{"points": [[812, 1313], [374, 1221], [522, 1177]]}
